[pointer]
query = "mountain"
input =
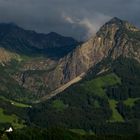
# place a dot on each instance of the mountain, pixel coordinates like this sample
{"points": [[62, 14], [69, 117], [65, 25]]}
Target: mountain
{"points": [[42, 75], [24, 52], [16, 39], [40, 87], [114, 39], [107, 100]]}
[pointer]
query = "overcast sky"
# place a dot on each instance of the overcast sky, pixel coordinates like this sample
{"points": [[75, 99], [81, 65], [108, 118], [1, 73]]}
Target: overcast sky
{"points": [[76, 18]]}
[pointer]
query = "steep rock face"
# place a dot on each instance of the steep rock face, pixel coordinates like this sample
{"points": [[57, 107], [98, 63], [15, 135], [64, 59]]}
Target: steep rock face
{"points": [[112, 40]]}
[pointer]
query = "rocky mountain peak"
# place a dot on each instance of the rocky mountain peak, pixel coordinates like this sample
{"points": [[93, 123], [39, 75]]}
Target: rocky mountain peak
{"points": [[111, 27], [115, 20], [115, 25], [111, 40]]}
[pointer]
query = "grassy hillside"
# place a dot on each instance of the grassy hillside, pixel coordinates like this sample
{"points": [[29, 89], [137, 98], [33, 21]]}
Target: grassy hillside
{"points": [[116, 116], [107, 103], [13, 120], [103, 102], [13, 74], [12, 115]]}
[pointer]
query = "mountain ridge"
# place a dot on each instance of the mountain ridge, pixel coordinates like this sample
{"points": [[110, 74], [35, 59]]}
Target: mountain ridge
{"points": [[27, 42]]}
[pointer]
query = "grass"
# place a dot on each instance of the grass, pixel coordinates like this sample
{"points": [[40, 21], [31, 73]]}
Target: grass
{"points": [[78, 131], [17, 104], [131, 101], [59, 105], [81, 132], [97, 86], [12, 119], [116, 116]]}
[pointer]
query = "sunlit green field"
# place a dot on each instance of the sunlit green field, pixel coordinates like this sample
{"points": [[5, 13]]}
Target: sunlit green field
{"points": [[116, 116], [11, 119], [17, 104], [97, 85], [131, 101]]}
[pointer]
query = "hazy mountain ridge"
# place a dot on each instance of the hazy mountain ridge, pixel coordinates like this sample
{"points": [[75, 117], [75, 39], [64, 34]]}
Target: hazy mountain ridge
{"points": [[26, 42]]}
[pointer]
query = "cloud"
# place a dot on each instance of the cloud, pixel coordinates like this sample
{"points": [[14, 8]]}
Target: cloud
{"points": [[91, 25], [69, 19], [77, 18], [83, 23]]}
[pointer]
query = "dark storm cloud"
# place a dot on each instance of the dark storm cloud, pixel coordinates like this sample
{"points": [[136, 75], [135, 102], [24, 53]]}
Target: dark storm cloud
{"points": [[77, 18]]}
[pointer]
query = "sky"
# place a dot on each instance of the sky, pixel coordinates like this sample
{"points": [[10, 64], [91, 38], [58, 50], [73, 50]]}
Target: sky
{"points": [[77, 18]]}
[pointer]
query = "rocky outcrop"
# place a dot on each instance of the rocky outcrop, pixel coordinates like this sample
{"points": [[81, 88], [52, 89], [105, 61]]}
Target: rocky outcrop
{"points": [[6, 56], [112, 40]]}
